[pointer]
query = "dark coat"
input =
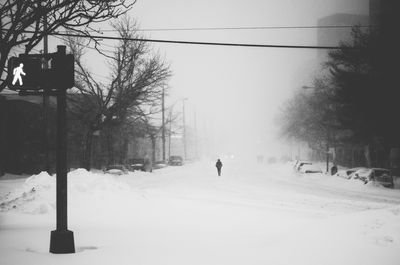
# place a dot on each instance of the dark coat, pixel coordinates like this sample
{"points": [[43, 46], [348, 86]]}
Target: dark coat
{"points": [[218, 164]]}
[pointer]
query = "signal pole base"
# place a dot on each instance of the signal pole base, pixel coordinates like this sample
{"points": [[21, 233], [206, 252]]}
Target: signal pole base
{"points": [[62, 242]]}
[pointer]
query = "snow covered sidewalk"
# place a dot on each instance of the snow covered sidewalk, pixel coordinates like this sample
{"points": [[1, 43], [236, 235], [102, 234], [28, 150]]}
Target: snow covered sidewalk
{"points": [[188, 215]]}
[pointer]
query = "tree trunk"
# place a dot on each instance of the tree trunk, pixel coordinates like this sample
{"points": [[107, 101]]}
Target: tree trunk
{"points": [[4, 52], [367, 153], [87, 155], [124, 149], [3, 135], [110, 149], [153, 149]]}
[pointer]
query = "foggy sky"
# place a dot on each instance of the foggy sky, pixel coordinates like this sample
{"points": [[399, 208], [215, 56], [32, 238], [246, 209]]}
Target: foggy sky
{"points": [[237, 92]]}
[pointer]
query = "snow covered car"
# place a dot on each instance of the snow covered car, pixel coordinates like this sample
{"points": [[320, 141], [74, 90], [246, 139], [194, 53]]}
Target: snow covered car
{"points": [[116, 169], [378, 175], [347, 173], [309, 168], [159, 164], [175, 161], [300, 164], [141, 164]]}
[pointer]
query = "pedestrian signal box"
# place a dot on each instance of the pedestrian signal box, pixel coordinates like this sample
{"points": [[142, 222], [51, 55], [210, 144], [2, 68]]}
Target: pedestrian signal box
{"points": [[63, 71], [28, 72], [24, 73]]}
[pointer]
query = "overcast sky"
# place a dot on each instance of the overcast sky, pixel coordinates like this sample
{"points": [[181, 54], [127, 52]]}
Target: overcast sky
{"points": [[237, 92]]}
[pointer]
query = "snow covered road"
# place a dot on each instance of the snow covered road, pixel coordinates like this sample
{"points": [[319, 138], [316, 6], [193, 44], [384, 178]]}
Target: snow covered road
{"points": [[252, 214]]}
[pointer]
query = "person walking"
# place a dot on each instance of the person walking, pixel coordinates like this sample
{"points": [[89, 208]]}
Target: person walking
{"points": [[219, 166]]}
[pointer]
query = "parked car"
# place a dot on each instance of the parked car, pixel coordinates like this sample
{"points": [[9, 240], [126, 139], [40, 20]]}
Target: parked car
{"points": [[299, 164], [116, 169], [347, 173], [159, 164], [309, 168], [141, 164], [378, 175], [175, 161]]}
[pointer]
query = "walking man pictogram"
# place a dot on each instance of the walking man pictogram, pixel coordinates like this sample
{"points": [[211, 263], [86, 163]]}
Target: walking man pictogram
{"points": [[17, 72]]}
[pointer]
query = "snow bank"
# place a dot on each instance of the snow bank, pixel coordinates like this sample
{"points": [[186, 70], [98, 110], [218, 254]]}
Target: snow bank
{"points": [[188, 215], [37, 195], [32, 197]]}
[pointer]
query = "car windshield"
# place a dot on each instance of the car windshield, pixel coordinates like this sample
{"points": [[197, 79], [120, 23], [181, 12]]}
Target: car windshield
{"points": [[176, 158]]}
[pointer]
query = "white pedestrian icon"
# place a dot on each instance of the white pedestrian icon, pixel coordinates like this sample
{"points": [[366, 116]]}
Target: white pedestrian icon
{"points": [[18, 71]]}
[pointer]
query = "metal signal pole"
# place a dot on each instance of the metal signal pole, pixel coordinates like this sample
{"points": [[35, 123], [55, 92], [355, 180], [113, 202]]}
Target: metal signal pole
{"points": [[61, 240], [45, 100]]}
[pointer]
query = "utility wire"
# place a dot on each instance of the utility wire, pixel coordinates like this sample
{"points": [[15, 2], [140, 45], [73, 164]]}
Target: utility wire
{"points": [[203, 43], [244, 28], [200, 43], [92, 48]]}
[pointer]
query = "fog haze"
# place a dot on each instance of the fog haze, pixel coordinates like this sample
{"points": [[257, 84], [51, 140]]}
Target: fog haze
{"points": [[235, 92]]}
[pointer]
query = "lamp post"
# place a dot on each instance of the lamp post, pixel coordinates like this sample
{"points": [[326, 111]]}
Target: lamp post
{"points": [[163, 124], [169, 134], [183, 123], [196, 152], [327, 135], [184, 128]]}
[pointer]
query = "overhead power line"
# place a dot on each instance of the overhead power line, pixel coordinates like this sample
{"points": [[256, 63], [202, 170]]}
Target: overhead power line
{"points": [[203, 43], [200, 42], [244, 28], [89, 47]]}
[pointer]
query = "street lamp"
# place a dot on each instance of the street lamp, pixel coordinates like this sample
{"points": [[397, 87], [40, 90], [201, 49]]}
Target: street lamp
{"points": [[163, 123], [327, 134], [184, 127]]}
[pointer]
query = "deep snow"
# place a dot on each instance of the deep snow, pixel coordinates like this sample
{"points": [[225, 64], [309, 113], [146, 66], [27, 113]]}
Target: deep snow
{"points": [[252, 214]]}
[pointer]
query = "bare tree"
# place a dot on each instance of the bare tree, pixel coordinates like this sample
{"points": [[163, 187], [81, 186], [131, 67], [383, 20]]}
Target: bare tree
{"points": [[21, 21], [136, 79], [309, 116]]}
